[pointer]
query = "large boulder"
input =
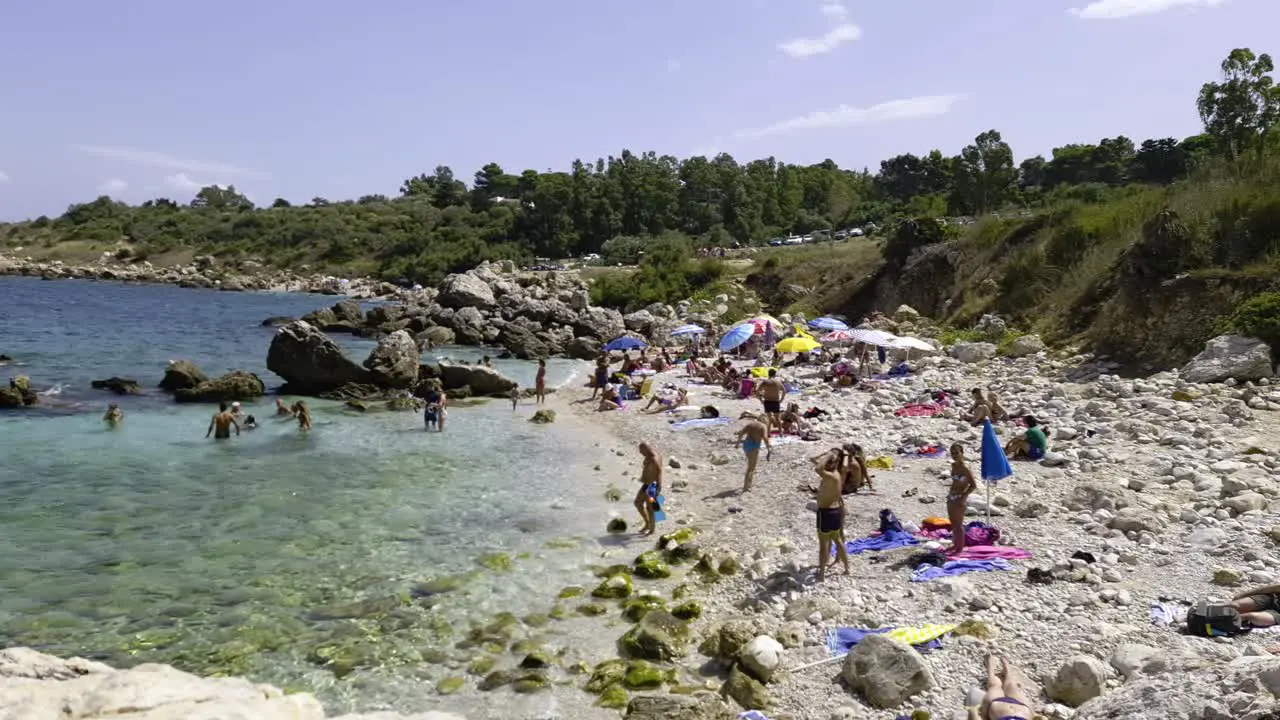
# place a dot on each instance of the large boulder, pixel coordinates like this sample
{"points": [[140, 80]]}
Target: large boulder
{"points": [[310, 362], [235, 385], [582, 348], [886, 672], [523, 344], [468, 326], [1230, 357], [438, 335], [482, 380], [658, 636], [182, 374], [394, 362], [349, 312], [465, 290], [972, 352], [1080, 679], [1026, 345], [18, 393], [600, 323]]}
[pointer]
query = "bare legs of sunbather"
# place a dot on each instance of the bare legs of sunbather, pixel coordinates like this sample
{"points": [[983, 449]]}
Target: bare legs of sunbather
{"points": [[1006, 696]]}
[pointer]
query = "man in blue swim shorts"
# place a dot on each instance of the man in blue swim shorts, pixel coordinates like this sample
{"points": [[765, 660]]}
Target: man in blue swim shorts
{"points": [[751, 437]]}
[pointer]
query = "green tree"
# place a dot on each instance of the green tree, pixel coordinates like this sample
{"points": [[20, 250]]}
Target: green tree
{"points": [[1159, 161], [983, 175], [215, 197], [1241, 110]]}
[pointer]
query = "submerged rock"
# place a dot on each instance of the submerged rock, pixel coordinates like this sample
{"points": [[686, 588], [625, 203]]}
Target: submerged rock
{"points": [[658, 636], [182, 374], [235, 385], [543, 417], [117, 385]]}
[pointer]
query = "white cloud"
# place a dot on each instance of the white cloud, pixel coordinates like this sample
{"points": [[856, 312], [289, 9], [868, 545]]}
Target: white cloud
{"points": [[673, 65], [113, 187], [825, 43], [835, 11], [182, 183], [151, 158], [915, 108], [1117, 9], [4, 177]]}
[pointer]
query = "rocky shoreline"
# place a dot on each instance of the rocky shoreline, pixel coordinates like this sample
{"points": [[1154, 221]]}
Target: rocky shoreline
{"points": [[204, 271]]}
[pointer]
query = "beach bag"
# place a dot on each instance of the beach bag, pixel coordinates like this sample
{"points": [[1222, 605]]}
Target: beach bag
{"points": [[1214, 620], [709, 411], [980, 533]]}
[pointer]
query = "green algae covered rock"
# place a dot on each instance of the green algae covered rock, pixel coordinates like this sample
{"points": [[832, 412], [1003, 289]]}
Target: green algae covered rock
{"points": [[537, 660], [688, 610], [572, 591], [497, 562], [530, 683], [542, 417], [658, 636], [450, 685], [649, 565], [607, 673], [614, 697], [592, 609], [616, 526], [615, 587], [638, 607], [678, 537], [644, 675], [748, 692]]}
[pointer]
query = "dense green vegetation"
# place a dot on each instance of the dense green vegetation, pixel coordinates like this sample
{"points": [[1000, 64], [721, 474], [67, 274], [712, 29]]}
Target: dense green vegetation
{"points": [[617, 205], [1144, 271]]}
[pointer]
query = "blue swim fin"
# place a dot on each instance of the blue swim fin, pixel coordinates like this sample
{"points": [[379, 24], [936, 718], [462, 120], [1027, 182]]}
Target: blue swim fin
{"points": [[658, 513]]}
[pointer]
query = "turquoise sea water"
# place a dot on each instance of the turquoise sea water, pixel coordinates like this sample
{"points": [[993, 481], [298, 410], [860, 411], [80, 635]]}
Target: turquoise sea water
{"points": [[279, 555]]}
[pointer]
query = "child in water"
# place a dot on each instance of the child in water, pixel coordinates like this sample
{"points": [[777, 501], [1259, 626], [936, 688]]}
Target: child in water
{"points": [[515, 395]]}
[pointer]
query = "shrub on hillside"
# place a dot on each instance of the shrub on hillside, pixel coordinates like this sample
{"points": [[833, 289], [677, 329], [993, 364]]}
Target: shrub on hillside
{"points": [[1259, 317]]}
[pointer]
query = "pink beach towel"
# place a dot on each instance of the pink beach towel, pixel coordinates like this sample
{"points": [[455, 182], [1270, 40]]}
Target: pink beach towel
{"points": [[991, 552]]}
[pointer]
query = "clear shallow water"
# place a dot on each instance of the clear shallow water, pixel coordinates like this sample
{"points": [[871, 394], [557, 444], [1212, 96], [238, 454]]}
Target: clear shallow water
{"points": [[275, 553]]}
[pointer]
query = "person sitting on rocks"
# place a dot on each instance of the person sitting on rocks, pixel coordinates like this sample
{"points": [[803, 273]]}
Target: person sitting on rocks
{"points": [[1006, 697], [610, 399], [1259, 606], [1032, 445], [997, 411], [667, 401], [979, 411]]}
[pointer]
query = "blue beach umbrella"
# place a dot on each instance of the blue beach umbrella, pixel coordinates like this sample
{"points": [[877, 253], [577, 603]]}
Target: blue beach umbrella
{"points": [[827, 323], [995, 466], [688, 330], [736, 336], [626, 342]]}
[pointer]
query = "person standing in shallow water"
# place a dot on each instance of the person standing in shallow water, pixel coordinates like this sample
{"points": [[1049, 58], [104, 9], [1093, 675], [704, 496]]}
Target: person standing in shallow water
{"points": [[221, 424], [540, 383], [282, 409], [962, 485], [114, 415], [301, 412], [515, 396], [650, 488]]}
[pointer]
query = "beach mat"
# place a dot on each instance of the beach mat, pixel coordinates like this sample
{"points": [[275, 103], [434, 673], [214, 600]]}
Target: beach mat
{"points": [[699, 423]]}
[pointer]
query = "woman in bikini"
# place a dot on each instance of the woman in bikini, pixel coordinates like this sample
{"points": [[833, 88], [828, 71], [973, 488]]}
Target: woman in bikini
{"points": [[962, 484], [855, 471], [1006, 697]]}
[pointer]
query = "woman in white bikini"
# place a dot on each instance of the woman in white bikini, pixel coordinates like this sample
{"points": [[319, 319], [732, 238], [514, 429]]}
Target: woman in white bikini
{"points": [[962, 484]]}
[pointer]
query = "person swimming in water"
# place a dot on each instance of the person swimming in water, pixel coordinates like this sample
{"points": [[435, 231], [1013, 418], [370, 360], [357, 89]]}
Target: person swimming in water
{"points": [[221, 423], [250, 423], [236, 411], [282, 409], [751, 437], [114, 415], [301, 412]]}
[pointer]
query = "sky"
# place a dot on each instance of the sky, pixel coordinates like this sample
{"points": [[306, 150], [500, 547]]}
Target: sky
{"points": [[153, 98]]}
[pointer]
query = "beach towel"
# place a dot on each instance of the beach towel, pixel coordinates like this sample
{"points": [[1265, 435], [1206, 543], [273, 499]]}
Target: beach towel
{"points": [[935, 533], [919, 410], [692, 423], [927, 572], [925, 637], [928, 451], [884, 541], [785, 439], [752, 715], [991, 552], [884, 462], [1166, 614]]}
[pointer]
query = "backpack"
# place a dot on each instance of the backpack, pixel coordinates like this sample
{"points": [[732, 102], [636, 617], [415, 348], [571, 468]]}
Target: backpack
{"points": [[1214, 620]]}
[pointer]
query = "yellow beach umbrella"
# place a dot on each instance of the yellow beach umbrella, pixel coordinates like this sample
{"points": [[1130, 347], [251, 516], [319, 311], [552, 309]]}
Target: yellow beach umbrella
{"points": [[797, 345]]}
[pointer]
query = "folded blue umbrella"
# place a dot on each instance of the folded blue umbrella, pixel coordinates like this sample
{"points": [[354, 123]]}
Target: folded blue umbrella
{"points": [[995, 466]]}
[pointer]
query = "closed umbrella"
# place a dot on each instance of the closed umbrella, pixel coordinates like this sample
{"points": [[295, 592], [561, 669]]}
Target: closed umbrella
{"points": [[626, 342], [736, 336], [797, 345], [688, 330], [827, 323], [995, 465]]}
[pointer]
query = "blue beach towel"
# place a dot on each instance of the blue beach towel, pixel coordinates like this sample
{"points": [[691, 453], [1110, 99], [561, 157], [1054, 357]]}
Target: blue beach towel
{"points": [[841, 640], [699, 423], [876, 543], [926, 572]]}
